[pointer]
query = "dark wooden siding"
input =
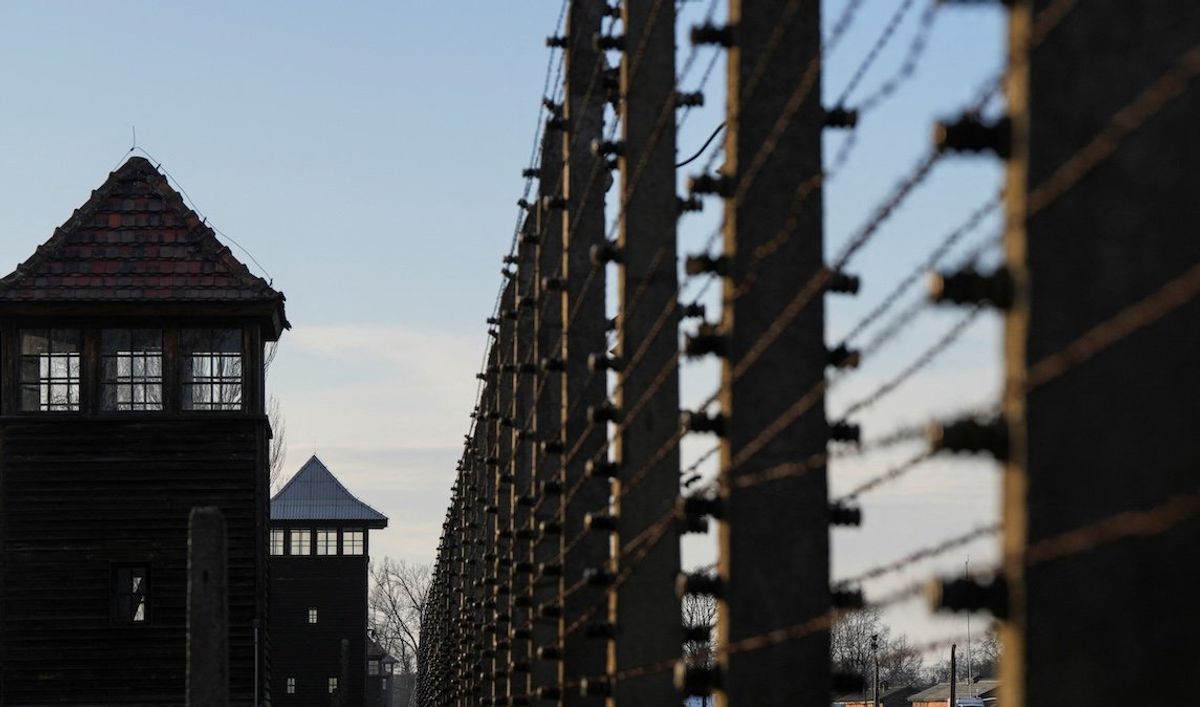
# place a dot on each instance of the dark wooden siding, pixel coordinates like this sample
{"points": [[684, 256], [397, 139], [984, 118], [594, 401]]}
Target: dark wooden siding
{"points": [[76, 496], [311, 653]]}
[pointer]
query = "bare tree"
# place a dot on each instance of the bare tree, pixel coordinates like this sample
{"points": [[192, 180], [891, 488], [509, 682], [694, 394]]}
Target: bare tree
{"points": [[399, 592], [851, 652], [278, 451], [699, 612]]}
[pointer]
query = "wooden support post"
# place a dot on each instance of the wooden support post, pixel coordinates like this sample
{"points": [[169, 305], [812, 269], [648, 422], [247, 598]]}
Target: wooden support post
{"points": [[774, 541], [548, 429], [481, 534], [644, 605], [1115, 433], [502, 497], [208, 610], [524, 446], [584, 331], [487, 570]]}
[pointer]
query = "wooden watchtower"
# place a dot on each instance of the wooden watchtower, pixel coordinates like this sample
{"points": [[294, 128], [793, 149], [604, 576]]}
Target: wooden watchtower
{"points": [[319, 583], [131, 390]]}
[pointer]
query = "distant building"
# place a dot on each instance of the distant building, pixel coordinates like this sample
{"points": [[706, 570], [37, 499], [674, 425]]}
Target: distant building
{"points": [[319, 544], [380, 681], [892, 697], [131, 391], [939, 695]]}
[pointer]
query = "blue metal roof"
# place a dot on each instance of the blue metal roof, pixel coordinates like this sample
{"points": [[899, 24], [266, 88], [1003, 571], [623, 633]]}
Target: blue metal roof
{"points": [[315, 494]]}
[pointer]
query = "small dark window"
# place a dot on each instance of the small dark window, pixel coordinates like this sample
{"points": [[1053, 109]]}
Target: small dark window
{"points": [[130, 594], [372, 667], [131, 365], [50, 369], [212, 369]]}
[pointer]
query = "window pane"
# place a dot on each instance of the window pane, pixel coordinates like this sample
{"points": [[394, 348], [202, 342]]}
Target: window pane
{"points": [[131, 366], [300, 541], [277, 540], [212, 368], [50, 369], [130, 595], [327, 542], [352, 542], [35, 341]]}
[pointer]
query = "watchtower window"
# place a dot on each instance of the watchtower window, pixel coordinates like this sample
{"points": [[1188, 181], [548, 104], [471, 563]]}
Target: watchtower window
{"points": [[131, 363], [312, 615], [131, 594], [212, 369], [291, 686], [352, 542], [327, 542], [277, 539], [50, 369], [372, 667], [301, 541], [332, 685]]}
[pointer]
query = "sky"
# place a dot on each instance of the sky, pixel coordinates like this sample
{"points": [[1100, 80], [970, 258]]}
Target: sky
{"points": [[368, 155]]}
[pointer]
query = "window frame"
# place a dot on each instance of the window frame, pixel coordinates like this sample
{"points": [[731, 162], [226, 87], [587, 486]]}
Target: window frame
{"points": [[314, 616], [373, 667], [333, 685], [115, 595], [282, 535], [289, 686], [361, 545], [78, 383], [131, 381], [325, 542], [183, 364], [307, 534]]}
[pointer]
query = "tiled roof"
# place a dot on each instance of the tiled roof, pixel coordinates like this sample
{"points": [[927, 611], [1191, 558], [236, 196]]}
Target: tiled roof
{"points": [[135, 239], [314, 494]]}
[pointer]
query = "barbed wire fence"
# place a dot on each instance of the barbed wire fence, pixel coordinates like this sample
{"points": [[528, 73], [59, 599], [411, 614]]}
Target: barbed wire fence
{"points": [[559, 572]]}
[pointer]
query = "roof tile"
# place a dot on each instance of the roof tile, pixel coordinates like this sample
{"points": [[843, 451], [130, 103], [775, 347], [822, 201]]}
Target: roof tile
{"points": [[136, 226]]}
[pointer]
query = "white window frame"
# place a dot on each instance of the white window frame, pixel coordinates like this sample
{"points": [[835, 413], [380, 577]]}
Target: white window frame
{"points": [[300, 541], [326, 541], [313, 615], [354, 541]]}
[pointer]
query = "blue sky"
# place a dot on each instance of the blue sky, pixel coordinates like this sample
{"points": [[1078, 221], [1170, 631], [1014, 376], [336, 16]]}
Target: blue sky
{"points": [[369, 154]]}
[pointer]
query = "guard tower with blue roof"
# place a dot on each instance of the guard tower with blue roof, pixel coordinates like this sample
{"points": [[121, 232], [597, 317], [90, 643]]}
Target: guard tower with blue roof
{"points": [[319, 582]]}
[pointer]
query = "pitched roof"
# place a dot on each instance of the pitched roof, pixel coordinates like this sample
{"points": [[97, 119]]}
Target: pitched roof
{"points": [[135, 239], [315, 494], [884, 693], [941, 691]]}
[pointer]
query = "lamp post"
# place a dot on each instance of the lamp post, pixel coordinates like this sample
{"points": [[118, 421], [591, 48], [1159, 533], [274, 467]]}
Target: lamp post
{"points": [[875, 656]]}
